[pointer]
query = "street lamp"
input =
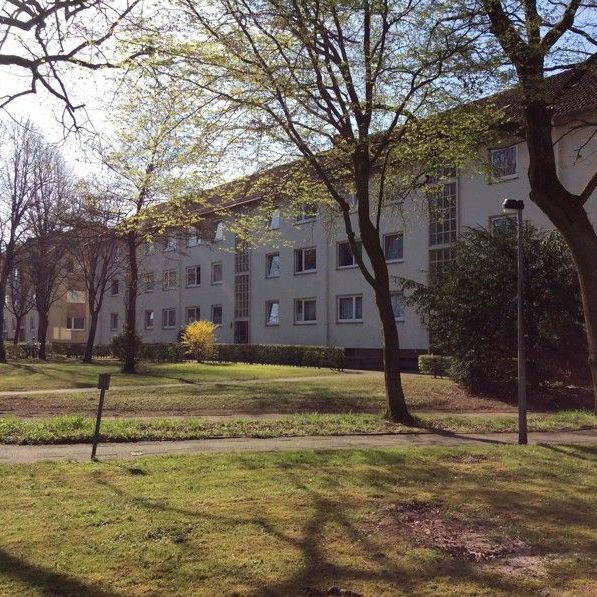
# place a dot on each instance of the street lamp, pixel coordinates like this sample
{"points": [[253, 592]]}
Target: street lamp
{"points": [[513, 206]]}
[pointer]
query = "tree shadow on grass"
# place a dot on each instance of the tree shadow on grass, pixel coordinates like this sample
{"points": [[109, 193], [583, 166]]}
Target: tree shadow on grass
{"points": [[49, 581]]}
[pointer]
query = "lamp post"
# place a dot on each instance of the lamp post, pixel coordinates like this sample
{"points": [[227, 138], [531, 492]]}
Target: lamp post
{"points": [[515, 206]]}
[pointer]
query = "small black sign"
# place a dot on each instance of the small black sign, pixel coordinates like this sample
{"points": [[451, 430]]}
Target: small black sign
{"points": [[103, 381]]}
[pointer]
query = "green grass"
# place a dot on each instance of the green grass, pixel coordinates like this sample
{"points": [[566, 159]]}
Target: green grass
{"points": [[364, 392], [75, 428], [36, 375], [278, 524]]}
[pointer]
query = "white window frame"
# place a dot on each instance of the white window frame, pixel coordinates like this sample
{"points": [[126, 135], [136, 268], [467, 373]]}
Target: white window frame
{"points": [[267, 269], [305, 215], [70, 320], [394, 259], [170, 326], [495, 178], [354, 298], [213, 307], [401, 295], [354, 262], [197, 316], [268, 305], [302, 252], [303, 321], [167, 281], [149, 281], [194, 240], [152, 318], [215, 282], [195, 268]]}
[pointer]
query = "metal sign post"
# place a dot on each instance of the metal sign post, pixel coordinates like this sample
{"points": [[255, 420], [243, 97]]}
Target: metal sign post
{"points": [[103, 384]]}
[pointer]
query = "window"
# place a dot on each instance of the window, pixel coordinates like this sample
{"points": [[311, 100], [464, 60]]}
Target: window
{"points": [[219, 235], [442, 215], [272, 313], [75, 296], [216, 314], [305, 311], [75, 323], [272, 265], [32, 323], [241, 256], [194, 275], [169, 279], [193, 240], [345, 256], [149, 249], [168, 318], [305, 260], [148, 319], [170, 243], [193, 314], [241, 296], [307, 213], [216, 273], [275, 221], [398, 305], [438, 259], [149, 280], [503, 163], [393, 246], [502, 224], [113, 321], [350, 308], [115, 287]]}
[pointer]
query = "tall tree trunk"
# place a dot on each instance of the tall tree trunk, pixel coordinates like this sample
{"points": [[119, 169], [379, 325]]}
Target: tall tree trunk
{"points": [[42, 335], [19, 320], [568, 215], [88, 355], [397, 409], [131, 307], [2, 311]]}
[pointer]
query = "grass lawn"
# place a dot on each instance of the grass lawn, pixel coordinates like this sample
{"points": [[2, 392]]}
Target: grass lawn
{"points": [[38, 375], [424, 521], [79, 429], [341, 393]]}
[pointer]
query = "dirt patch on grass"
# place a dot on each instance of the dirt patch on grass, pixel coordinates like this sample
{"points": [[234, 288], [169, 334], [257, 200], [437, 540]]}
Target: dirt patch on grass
{"points": [[427, 525]]}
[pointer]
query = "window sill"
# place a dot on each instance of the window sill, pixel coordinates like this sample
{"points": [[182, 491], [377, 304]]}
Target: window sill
{"points": [[272, 277], [173, 327], [272, 325], [309, 271], [305, 323], [395, 260], [169, 288], [343, 321], [193, 285], [399, 319], [497, 180], [217, 283], [354, 266]]}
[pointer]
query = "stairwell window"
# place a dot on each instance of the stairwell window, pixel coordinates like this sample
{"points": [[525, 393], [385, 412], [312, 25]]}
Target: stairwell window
{"points": [[115, 287], [113, 322], [307, 212], [503, 163], [219, 234], [170, 243], [216, 273], [149, 280], [169, 280], [149, 319], [275, 221], [75, 323]]}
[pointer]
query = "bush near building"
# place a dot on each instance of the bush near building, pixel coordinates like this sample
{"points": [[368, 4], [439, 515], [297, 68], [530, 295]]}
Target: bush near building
{"points": [[198, 338], [470, 310]]}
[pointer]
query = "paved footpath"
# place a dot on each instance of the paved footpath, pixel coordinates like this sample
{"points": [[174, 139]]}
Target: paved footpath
{"points": [[112, 451]]}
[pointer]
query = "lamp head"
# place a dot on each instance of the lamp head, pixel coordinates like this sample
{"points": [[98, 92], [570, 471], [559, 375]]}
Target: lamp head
{"points": [[512, 206]]}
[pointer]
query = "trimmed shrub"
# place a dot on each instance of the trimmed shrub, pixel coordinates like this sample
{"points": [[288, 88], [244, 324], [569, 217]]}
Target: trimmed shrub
{"points": [[280, 354], [198, 338], [434, 364]]}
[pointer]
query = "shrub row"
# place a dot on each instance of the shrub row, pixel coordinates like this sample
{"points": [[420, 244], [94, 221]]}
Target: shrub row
{"points": [[434, 364], [280, 354]]}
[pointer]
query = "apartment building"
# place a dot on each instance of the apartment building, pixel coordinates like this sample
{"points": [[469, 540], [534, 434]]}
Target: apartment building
{"points": [[307, 289]]}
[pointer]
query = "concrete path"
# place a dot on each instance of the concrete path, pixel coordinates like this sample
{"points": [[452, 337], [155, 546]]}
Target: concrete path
{"points": [[186, 384], [112, 451]]}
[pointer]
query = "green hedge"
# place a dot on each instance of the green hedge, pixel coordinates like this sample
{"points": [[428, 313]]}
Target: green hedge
{"points": [[280, 354], [434, 364]]}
